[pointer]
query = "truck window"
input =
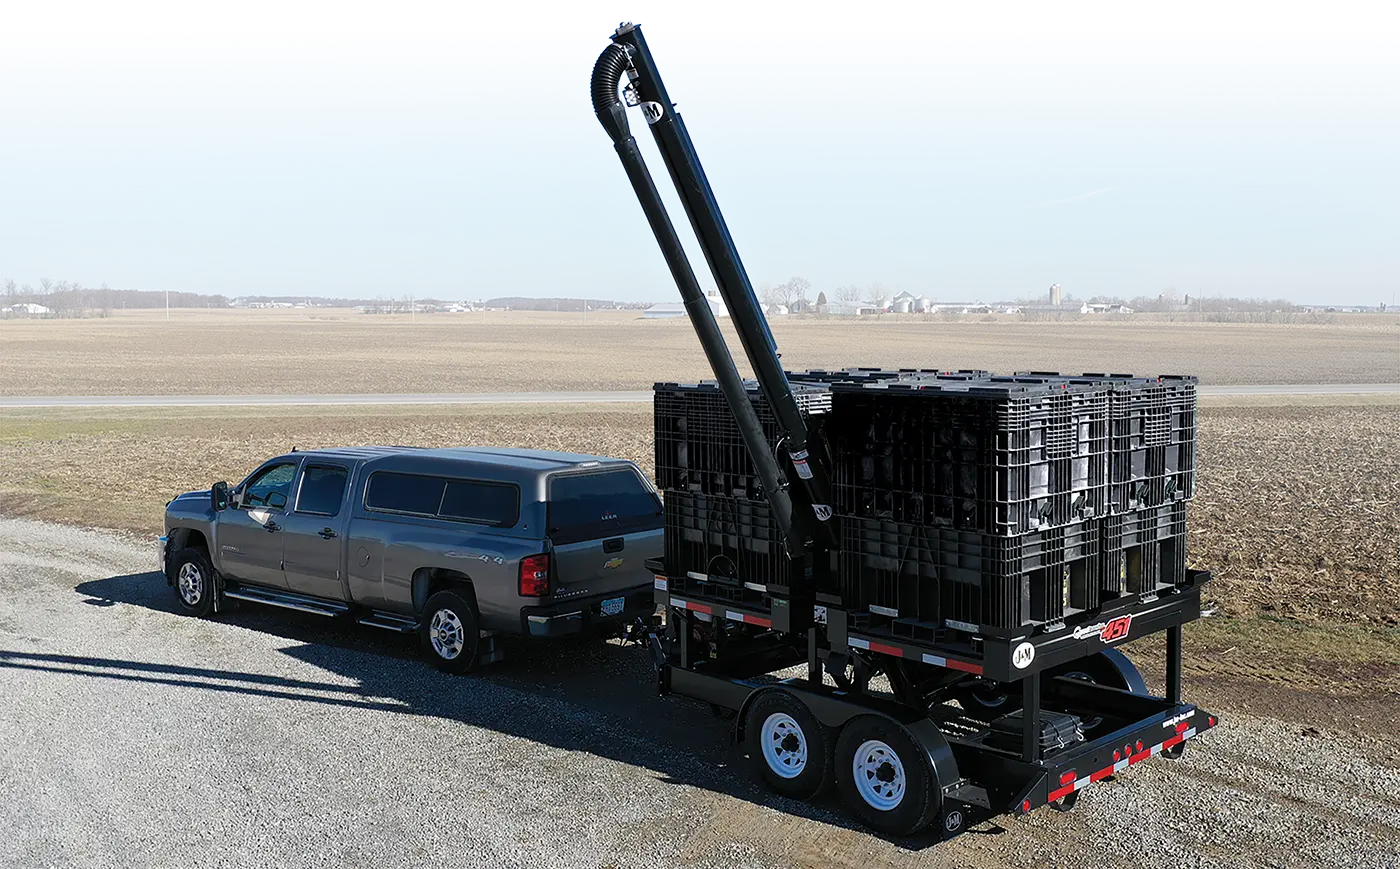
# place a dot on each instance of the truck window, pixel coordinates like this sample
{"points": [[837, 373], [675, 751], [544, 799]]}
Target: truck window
{"points": [[405, 493], [270, 481], [486, 503], [322, 490], [600, 504]]}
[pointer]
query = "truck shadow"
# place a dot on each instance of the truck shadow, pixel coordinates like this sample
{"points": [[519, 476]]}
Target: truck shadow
{"points": [[588, 696]]}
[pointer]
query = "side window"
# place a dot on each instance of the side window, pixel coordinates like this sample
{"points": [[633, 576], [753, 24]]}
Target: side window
{"points": [[404, 493], [322, 490], [270, 487], [486, 503]]}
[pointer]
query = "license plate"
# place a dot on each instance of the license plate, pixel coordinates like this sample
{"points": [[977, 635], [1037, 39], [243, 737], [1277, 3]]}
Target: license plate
{"points": [[613, 605]]}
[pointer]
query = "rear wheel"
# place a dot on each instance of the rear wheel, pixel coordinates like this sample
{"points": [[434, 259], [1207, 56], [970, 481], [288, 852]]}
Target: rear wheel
{"points": [[193, 578], [884, 778], [789, 747], [448, 632]]}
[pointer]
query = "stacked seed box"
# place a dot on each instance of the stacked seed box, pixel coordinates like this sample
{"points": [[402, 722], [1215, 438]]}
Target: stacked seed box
{"points": [[1152, 476], [969, 502], [722, 542]]}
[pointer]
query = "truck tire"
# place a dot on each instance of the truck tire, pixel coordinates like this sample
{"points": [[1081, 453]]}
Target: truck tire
{"points": [[787, 745], [448, 632], [193, 578], [884, 778]]}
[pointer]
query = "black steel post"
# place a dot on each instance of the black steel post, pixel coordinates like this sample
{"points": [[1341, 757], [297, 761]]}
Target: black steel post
{"points": [[606, 79], [1030, 717], [1174, 664], [688, 175]]}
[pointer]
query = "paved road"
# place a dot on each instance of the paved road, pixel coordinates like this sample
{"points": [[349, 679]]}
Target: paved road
{"points": [[548, 397], [131, 736]]}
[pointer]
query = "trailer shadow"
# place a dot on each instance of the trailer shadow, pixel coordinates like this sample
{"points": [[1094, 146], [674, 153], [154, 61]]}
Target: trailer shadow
{"points": [[588, 696]]}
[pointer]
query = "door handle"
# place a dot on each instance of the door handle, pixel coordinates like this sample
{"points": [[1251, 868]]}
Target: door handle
{"points": [[327, 533], [271, 525]]}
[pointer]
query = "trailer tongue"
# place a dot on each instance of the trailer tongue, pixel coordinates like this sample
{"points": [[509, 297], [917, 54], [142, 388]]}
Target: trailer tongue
{"points": [[948, 559]]}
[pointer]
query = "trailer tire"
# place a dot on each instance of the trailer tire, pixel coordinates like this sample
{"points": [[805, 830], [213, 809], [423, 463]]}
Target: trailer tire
{"points": [[193, 578], [884, 778], [448, 632], [789, 747]]}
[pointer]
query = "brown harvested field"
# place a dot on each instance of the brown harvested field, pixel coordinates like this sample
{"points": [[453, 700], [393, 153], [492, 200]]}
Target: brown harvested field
{"points": [[298, 351]]}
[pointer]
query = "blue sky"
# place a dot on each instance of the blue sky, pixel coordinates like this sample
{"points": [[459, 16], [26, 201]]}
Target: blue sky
{"points": [[449, 150]]}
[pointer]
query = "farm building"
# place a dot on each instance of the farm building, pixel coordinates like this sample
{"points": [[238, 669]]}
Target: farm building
{"points": [[27, 309], [671, 310]]}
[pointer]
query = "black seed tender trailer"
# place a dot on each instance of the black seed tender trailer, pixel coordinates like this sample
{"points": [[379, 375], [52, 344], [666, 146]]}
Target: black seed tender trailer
{"points": [[947, 560]]}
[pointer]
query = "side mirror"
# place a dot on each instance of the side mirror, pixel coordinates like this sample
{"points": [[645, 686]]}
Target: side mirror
{"points": [[277, 501], [218, 496]]}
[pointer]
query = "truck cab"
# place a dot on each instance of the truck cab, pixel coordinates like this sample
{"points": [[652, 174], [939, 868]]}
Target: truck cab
{"points": [[462, 545]]}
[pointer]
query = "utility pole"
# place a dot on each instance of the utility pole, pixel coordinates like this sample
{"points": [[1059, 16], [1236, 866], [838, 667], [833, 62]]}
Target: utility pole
{"points": [[167, 306]]}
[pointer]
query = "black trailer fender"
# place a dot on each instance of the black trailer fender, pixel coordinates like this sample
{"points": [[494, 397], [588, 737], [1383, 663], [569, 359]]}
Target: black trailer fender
{"points": [[834, 711]]}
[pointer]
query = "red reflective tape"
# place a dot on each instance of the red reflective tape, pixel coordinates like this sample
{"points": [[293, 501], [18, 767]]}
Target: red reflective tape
{"points": [[887, 650], [1062, 792], [964, 666], [698, 607], [755, 620], [1143, 755], [1175, 740], [1101, 774]]}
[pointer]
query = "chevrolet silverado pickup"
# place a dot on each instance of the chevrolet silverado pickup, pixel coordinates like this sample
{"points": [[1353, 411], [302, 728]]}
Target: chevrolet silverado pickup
{"points": [[461, 546]]}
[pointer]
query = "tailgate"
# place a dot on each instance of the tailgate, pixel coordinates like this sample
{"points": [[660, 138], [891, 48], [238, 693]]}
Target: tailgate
{"points": [[604, 525]]}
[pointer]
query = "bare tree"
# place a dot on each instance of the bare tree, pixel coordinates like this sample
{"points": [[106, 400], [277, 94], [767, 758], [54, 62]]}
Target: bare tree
{"points": [[795, 288], [11, 289], [879, 292], [849, 293]]}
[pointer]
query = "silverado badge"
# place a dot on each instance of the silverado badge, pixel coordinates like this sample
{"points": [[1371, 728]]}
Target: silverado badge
{"points": [[613, 564]]}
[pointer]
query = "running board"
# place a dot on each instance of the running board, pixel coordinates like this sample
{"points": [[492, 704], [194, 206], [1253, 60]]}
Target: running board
{"points": [[390, 622], [289, 600]]}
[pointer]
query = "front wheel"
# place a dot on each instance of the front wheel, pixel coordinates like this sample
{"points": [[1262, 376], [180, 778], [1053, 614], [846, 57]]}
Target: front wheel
{"points": [[193, 578], [448, 632], [789, 747], [885, 778]]}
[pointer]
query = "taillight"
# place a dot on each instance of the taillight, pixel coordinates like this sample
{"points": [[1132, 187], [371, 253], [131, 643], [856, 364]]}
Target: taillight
{"points": [[534, 575]]}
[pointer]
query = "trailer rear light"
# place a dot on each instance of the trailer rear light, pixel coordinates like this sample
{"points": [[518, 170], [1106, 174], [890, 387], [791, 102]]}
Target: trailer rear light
{"points": [[1139, 746], [1067, 778], [1117, 755], [1025, 805], [534, 575], [1181, 727], [1212, 721]]}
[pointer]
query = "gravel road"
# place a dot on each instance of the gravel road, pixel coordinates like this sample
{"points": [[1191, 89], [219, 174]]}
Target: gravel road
{"points": [[132, 736]]}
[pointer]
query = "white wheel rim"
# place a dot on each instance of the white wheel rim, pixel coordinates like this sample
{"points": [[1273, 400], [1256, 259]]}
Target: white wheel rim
{"points": [[784, 745], [446, 633], [190, 581], [879, 775]]}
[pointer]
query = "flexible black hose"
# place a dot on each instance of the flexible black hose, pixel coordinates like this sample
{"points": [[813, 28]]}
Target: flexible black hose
{"points": [[607, 78]]}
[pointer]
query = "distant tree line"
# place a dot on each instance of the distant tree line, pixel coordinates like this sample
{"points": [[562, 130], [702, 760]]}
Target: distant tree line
{"points": [[72, 299]]}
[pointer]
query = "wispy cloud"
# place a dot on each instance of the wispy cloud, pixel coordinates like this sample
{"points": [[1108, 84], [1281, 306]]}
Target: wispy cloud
{"points": [[1078, 198]]}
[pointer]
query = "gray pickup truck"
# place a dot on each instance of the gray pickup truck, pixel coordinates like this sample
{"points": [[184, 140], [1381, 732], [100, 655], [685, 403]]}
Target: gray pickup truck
{"points": [[462, 545]]}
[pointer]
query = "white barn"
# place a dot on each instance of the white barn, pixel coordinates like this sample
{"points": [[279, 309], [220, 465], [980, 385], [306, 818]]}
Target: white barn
{"points": [[671, 310]]}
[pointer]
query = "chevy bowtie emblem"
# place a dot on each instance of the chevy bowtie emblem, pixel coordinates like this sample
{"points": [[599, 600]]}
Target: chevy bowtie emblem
{"points": [[613, 564]]}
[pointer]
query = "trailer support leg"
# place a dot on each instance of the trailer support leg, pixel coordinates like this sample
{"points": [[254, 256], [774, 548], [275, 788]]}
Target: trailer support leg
{"points": [[1030, 715], [814, 664], [1174, 664]]}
